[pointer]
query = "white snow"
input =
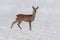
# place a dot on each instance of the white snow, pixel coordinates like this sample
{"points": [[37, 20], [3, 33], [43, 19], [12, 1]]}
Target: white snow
{"points": [[46, 25]]}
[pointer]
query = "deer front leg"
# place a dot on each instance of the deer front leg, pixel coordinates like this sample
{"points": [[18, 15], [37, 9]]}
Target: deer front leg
{"points": [[13, 24], [30, 25], [19, 25]]}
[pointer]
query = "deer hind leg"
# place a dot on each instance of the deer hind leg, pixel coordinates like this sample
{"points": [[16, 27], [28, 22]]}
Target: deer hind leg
{"points": [[19, 25], [30, 25], [13, 24]]}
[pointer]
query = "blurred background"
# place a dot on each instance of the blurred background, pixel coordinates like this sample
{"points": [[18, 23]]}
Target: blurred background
{"points": [[46, 23]]}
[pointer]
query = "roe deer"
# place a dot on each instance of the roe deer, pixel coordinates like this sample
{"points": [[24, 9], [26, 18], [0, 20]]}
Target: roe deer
{"points": [[27, 18]]}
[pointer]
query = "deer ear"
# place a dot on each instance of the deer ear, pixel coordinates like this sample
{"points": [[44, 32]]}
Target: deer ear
{"points": [[37, 7], [33, 7]]}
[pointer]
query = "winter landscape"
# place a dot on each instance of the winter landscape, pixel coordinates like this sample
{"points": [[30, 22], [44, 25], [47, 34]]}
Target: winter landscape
{"points": [[46, 25]]}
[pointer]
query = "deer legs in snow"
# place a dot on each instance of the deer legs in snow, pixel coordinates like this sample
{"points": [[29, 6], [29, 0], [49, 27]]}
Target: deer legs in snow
{"points": [[13, 24], [30, 25], [20, 26], [17, 24]]}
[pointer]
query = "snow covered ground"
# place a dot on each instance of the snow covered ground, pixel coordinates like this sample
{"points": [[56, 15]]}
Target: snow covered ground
{"points": [[45, 27]]}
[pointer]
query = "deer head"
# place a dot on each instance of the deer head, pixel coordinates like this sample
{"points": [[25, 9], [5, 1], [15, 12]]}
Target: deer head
{"points": [[34, 9]]}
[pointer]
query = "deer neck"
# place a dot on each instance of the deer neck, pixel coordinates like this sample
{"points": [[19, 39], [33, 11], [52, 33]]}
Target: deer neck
{"points": [[33, 15]]}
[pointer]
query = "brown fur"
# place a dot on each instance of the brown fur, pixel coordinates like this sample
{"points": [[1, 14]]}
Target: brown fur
{"points": [[27, 18]]}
